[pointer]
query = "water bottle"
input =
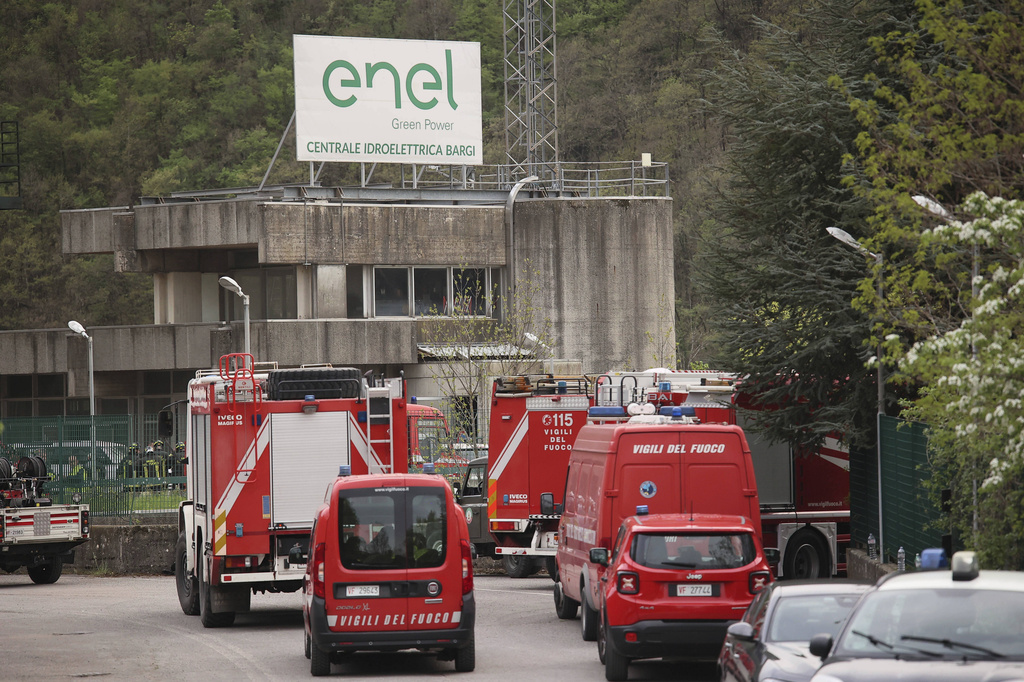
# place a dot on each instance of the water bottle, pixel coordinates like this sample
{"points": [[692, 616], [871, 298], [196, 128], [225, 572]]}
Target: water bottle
{"points": [[917, 561], [901, 560], [872, 548]]}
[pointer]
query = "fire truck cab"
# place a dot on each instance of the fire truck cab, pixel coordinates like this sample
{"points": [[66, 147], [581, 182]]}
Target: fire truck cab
{"points": [[534, 422], [262, 445]]}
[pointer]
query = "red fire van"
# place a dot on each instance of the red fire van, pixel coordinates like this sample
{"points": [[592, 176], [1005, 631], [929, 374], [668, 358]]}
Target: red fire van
{"points": [[390, 568], [670, 464]]}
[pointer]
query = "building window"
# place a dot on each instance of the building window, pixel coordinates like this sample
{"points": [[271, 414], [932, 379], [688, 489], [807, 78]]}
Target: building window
{"points": [[430, 291], [391, 292], [354, 291], [435, 291], [271, 291]]}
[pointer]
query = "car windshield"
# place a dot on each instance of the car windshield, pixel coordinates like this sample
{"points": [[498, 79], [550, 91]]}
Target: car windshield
{"points": [[798, 618], [701, 551], [956, 623], [392, 528]]}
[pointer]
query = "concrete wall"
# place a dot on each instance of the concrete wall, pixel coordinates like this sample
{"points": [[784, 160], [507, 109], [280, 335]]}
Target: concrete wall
{"points": [[606, 273], [127, 550], [860, 567]]}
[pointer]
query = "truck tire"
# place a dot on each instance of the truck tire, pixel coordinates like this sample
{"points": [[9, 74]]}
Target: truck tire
{"points": [[551, 566], [807, 556], [188, 587], [206, 616], [588, 618], [48, 573], [465, 658], [319, 662], [517, 566]]}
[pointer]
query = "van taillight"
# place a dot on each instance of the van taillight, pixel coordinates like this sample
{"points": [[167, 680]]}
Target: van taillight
{"points": [[627, 582], [467, 568], [319, 557], [759, 580]]}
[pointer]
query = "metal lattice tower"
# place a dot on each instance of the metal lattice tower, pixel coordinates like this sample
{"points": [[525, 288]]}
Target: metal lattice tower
{"points": [[531, 102]]}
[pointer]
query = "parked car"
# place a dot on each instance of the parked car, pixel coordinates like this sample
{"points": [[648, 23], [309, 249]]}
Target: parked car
{"points": [[672, 584], [927, 626], [771, 642]]}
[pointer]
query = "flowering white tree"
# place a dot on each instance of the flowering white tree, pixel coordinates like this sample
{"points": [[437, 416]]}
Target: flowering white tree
{"points": [[972, 380]]}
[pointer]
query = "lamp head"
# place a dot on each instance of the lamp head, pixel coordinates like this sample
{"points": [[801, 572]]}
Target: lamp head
{"points": [[77, 328], [231, 285]]}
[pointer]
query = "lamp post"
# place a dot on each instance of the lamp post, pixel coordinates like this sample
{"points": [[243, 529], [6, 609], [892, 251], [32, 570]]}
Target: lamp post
{"points": [[80, 330], [233, 286], [846, 238], [510, 247]]}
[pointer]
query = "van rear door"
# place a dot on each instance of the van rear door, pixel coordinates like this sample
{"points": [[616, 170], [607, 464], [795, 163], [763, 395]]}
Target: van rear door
{"points": [[649, 466], [717, 475], [370, 578]]}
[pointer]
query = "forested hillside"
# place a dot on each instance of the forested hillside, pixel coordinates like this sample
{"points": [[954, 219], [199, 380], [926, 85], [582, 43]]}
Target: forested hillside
{"points": [[120, 99]]}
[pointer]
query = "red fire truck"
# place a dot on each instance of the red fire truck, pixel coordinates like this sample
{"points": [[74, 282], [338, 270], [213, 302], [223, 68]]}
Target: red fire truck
{"points": [[805, 496], [534, 422], [262, 445]]}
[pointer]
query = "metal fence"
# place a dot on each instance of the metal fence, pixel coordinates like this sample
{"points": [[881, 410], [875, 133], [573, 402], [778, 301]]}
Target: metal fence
{"points": [[118, 487], [908, 512]]}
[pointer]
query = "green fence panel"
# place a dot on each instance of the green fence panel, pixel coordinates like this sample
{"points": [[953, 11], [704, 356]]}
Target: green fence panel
{"points": [[863, 494], [907, 510]]}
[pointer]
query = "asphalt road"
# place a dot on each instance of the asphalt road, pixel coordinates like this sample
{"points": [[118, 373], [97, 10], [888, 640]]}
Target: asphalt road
{"points": [[131, 628]]}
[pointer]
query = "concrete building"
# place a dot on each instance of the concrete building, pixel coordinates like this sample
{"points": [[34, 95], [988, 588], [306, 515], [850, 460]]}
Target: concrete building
{"points": [[349, 277]]}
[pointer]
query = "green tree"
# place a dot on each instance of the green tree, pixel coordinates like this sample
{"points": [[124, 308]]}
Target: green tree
{"points": [[973, 383], [780, 286]]}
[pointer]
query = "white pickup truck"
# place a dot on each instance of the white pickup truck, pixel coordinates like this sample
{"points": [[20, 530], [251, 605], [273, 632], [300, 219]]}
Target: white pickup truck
{"points": [[34, 532]]}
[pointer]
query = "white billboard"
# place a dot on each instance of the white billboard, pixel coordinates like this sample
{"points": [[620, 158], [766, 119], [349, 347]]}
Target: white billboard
{"points": [[391, 101]]}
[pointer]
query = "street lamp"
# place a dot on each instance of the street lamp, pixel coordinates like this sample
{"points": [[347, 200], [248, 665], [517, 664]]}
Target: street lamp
{"points": [[846, 238], [80, 330], [233, 286]]}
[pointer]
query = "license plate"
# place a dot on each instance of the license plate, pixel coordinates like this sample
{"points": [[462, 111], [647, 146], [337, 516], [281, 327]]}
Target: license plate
{"points": [[695, 590], [362, 591]]}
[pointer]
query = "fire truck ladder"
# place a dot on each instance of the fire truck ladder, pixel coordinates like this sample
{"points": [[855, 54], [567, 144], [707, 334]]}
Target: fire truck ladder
{"points": [[378, 414]]}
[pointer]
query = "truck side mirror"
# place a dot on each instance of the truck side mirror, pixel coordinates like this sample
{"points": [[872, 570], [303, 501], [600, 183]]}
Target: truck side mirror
{"points": [[457, 489], [772, 555], [599, 555], [296, 555], [547, 504]]}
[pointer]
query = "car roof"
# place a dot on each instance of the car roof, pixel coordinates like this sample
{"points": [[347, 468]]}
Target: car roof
{"points": [[690, 522], [386, 480], [799, 588], [1007, 581]]}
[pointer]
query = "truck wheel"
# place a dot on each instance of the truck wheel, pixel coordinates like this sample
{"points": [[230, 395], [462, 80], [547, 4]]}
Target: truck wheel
{"points": [[48, 573], [188, 590], [588, 619], [517, 566], [309, 644], [319, 662], [616, 666], [551, 566], [208, 618], [465, 658], [807, 556], [565, 607]]}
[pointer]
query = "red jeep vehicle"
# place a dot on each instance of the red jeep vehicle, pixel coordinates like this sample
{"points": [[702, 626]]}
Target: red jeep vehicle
{"points": [[390, 568], [673, 584], [671, 465]]}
